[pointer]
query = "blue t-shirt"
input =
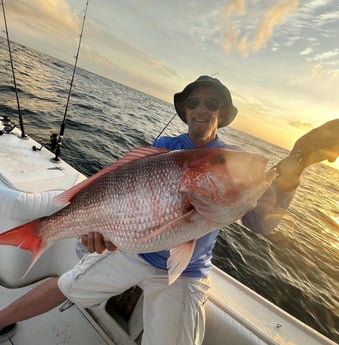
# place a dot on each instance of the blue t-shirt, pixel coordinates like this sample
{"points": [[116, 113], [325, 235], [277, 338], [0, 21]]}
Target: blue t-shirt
{"points": [[201, 261], [262, 219]]}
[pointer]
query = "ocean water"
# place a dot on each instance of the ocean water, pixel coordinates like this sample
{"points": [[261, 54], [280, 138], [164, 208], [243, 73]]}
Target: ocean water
{"points": [[295, 267]]}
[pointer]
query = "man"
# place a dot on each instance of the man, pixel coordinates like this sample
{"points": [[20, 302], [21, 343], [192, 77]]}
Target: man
{"points": [[204, 105]]}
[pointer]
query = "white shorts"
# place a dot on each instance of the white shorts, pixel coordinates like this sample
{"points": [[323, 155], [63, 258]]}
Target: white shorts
{"points": [[172, 314]]}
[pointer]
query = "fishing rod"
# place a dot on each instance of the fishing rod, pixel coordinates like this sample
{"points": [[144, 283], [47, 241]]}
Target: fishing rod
{"points": [[63, 124], [22, 128], [167, 124]]}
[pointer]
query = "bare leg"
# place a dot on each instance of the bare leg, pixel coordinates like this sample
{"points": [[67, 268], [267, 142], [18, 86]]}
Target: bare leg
{"points": [[41, 299]]}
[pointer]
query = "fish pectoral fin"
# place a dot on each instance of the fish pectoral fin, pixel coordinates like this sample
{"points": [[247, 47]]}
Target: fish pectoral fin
{"points": [[218, 213], [178, 260], [205, 207], [168, 226]]}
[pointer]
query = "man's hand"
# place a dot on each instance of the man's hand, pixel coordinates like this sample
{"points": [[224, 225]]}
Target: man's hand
{"points": [[319, 144], [95, 242]]}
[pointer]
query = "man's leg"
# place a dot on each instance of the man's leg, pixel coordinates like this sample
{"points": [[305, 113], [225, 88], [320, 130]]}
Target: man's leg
{"points": [[40, 299], [100, 276], [174, 314], [96, 278]]}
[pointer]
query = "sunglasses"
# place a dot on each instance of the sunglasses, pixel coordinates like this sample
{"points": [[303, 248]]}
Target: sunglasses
{"points": [[212, 104]]}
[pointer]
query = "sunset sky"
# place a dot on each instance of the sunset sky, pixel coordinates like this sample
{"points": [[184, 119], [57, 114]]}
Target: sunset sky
{"points": [[280, 59]]}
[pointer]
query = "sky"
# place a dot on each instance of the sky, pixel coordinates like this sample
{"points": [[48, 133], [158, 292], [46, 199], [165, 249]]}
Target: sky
{"points": [[279, 58]]}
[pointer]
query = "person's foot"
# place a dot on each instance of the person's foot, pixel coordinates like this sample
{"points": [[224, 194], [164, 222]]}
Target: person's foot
{"points": [[7, 332]]}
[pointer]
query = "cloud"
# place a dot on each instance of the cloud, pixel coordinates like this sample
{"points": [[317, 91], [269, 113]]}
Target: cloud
{"points": [[321, 72], [326, 56], [122, 52], [122, 61], [316, 4], [273, 16], [306, 51], [93, 56], [47, 26], [53, 17], [301, 124], [325, 65], [234, 6], [327, 18], [240, 34]]}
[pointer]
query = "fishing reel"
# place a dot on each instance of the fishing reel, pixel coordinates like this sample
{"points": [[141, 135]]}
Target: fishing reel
{"points": [[52, 145], [8, 126]]}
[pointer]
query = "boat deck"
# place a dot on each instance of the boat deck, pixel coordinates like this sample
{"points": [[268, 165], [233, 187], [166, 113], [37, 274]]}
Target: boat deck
{"points": [[72, 326]]}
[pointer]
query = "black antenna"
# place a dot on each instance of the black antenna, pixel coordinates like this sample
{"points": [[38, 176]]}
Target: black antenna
{"points": [[63, 125], [23, 135]]}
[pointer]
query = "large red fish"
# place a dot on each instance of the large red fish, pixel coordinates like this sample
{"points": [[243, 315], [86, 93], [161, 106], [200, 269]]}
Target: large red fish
{"points": [[151, 200]]}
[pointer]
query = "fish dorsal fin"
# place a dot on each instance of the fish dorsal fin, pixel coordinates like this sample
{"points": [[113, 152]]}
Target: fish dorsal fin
{"points": [[65, 198], [178, 260]]}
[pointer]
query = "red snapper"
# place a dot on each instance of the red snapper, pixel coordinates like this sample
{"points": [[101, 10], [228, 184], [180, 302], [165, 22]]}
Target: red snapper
{"points": [[152, 199]]}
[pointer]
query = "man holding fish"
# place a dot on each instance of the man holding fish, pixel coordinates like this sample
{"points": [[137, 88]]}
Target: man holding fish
{"points": [[200, 190]]}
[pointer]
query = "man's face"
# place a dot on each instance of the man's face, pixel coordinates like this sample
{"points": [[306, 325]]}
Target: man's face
{"points": [[201, 115]]}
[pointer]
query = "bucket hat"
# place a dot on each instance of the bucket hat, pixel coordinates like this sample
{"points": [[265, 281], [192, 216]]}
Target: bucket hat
{"points": [[228, 111]]}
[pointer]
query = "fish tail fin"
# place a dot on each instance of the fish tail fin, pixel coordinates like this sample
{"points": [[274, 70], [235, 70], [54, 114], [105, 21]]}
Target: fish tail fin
{"points": [[26, 236]]}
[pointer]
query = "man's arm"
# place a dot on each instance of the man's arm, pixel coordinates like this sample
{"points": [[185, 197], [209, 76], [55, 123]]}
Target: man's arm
{"points": [[315, 146]]}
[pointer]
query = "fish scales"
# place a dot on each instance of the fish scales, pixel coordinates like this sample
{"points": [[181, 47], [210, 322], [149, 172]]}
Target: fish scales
{"points": [[124, 208], [150, 200]]}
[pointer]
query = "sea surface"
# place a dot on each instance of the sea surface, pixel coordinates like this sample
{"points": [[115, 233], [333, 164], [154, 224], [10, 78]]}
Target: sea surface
{"points": [[295, 267]]}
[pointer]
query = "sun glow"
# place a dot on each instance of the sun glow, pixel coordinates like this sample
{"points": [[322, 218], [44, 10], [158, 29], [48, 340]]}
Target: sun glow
{"points": [[334, 164]]}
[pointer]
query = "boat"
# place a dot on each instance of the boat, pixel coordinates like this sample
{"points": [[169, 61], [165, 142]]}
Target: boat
{"points": [[30, 177]]}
